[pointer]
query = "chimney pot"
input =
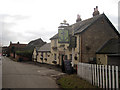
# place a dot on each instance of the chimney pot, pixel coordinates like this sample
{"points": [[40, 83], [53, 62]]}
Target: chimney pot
{"points": [[96, 8], [96, 12], [18, 43], [78, 18]]}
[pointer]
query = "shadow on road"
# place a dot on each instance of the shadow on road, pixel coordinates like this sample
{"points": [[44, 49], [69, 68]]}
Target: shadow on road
{"points": [[49, 66]]}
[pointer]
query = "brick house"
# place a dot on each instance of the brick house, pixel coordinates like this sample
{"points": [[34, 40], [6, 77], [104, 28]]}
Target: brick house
{"points": [[15, 46]]}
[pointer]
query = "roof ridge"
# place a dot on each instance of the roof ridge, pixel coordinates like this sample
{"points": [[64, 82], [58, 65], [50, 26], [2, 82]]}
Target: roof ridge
{"points": [[90, 22]]}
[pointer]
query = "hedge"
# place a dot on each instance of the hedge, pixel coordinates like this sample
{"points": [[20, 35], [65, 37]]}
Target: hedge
{"points": [[25, 53]]}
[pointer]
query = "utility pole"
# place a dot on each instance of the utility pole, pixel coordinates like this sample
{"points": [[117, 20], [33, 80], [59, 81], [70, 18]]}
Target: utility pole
{"points": [[72, 48]]}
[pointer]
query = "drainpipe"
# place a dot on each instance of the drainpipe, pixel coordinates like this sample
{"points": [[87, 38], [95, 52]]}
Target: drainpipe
{"points": [[80, 48]]}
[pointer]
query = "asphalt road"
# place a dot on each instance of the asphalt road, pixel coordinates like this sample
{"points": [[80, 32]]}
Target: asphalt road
{"points": [[25, 75]]}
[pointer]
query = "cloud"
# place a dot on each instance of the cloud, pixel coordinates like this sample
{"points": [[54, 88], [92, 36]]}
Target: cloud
{"points": [[25, 20], [114, 20], [7, 34], [41, 33]]}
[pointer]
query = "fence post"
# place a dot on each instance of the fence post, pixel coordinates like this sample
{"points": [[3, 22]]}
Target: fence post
{"points": [[117, 83], [109, 77], [103, 76], [98, 74], [85, 72], [93, 78], [95, 75], [113, 82], [100, 78], [91, 73], [106, 77]]}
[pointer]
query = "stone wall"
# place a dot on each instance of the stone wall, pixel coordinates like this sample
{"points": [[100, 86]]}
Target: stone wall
{"points": [[95, 37]]}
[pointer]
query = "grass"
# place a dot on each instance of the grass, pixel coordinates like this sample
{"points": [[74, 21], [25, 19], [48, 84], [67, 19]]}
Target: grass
{"points": [[73, 81]]}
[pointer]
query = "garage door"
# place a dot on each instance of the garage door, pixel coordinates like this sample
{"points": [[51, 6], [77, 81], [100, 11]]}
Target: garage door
{"points": [[114, 60]]}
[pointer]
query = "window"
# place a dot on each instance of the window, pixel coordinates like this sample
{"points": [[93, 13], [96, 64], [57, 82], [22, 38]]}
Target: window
{"points": [[41, 57], [55, 57], [75, 57], [46, 55], [65, 57], [70, 56]]}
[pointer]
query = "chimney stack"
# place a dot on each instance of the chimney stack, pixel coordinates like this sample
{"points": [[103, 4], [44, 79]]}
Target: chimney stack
{"points": [[18, 43], [96, 12], [10, 42], [78, 18]]}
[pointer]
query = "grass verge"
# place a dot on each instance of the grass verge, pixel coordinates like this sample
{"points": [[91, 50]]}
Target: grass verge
{"points": [[73, 81]]}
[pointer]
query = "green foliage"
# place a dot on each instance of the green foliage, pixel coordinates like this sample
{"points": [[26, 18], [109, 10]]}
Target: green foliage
{"points": [[13, 49], [27, 53]]}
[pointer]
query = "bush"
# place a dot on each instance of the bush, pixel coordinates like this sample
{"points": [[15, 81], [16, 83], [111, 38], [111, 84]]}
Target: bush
{"points": [[27, 54]]}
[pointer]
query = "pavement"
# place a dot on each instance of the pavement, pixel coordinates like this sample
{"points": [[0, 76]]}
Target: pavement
{"points": [[28, 74]]}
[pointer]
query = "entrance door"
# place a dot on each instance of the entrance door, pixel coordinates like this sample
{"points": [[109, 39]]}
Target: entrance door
{"points": [[62, 58], [62, 62], [66, 57]]}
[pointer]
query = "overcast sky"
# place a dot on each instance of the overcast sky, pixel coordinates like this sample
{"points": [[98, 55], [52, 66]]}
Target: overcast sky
{"points": [[26, 20]]}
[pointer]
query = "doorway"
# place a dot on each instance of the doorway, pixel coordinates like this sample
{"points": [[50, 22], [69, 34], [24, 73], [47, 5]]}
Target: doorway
{"points": [[62, 63]]}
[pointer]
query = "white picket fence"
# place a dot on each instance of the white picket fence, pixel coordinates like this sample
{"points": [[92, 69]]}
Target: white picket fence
{"points": [[103, 76]]}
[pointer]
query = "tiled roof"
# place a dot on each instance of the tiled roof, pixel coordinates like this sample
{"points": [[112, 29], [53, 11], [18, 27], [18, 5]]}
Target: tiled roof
{"points": [[54, 37], [37, 48], [83, 25], [35, 43], [45, 48], [17, 45], [110, 47]]}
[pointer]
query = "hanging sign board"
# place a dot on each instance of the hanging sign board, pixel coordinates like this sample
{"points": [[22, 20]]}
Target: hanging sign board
{"points": [[63, 36]]}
